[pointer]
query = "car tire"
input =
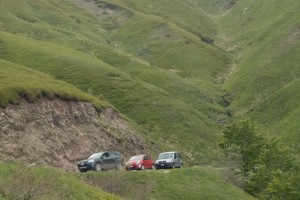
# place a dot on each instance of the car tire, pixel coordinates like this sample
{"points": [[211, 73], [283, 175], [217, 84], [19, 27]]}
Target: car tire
{"points": [[98, 167], [180, 166], [142, 167], [83, 170]]}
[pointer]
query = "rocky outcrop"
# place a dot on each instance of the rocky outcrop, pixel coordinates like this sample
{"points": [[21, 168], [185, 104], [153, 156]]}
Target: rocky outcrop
{"points": [[59, 133]]}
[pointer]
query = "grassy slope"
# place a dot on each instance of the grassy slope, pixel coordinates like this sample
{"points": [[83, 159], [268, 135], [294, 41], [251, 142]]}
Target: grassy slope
{"points": [[169, 37], [187, 183], [172, 106], [181, 13], [266, 82], [56, 183], [152, 76], [17, 81]]}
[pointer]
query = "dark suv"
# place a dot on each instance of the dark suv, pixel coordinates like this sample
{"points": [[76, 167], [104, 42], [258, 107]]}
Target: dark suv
{"points": [[102, 161]]}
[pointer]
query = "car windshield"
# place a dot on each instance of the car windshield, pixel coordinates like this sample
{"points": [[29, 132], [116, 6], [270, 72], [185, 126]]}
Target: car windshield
{"points": [[165, 155], [136, 158], [95, 155]]}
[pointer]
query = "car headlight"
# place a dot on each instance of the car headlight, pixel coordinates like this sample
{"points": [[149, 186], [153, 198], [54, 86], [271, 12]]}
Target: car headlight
{"points": [[91, 161]]}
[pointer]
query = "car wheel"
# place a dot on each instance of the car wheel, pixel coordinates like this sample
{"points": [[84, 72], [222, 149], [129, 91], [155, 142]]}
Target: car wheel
{"points": [[173, 166], [143, 167], [98, 167], [83, 170], [180, 166]]}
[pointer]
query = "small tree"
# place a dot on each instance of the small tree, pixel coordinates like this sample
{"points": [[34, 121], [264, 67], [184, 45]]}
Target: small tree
{"points": [[272, 173], [242, 134]]}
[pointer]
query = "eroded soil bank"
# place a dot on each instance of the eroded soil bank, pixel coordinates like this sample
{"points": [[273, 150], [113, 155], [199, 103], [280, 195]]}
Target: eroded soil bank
{"points": [[59, 133]]}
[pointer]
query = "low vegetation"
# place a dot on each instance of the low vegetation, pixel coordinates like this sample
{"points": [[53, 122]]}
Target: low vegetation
{"points": [[166, 91], [180, 73], [22, 182], [33, 182], [271, 169], [18, 82], [186, 183]]}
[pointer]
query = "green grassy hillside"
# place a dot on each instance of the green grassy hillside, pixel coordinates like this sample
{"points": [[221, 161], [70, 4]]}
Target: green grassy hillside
{"points": [[265, 83], [188, 183], [180, 70], [160, 64], [167, 89], [17, 182], [19, 82], [49, 183]]}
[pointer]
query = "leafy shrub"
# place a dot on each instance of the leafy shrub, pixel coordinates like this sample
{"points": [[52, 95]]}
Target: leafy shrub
{"points": [[270, 168]]}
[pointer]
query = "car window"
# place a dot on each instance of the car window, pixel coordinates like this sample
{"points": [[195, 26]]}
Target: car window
{"points": [[165, 155], [146, 158], [112, 154], [105, 155], [136, 158], [175, 155], [96, 155]]}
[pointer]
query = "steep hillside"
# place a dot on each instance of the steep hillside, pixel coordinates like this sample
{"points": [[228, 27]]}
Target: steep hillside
{"points": [[161, 67], [161, 76], [59, 133], [79, 76], [18, 82], [265, 36]]}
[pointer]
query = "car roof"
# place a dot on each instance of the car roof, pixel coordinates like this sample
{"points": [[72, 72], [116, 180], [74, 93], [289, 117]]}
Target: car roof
{"points": [[170, 152], [102, 152], [108, 152]]}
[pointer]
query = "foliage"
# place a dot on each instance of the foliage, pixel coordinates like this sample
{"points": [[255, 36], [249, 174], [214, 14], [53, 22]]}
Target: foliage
{"points": [[270, 167], [272, 175], [242, 135]]}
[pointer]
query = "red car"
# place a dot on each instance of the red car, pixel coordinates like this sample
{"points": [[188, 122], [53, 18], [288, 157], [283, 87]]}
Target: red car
{"points": [[139, 162]]}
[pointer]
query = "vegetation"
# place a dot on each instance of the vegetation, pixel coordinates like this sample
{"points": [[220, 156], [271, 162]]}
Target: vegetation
{"points": [[180, 71], [167, 91], [186, 183], [19, 82], [242, 136], [271, 169], [22, 182], [264, 38]]}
